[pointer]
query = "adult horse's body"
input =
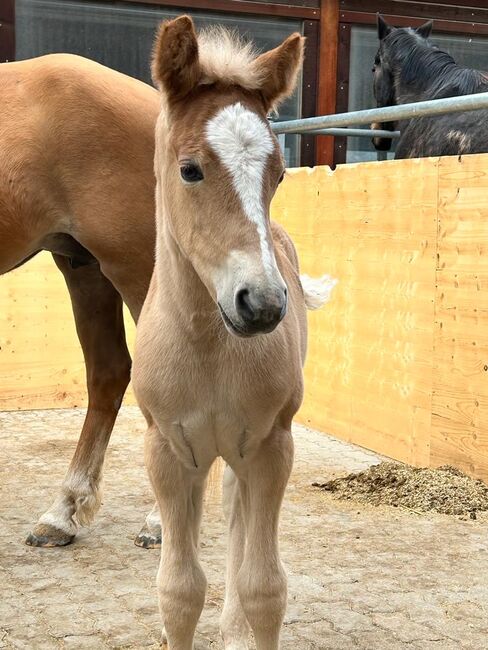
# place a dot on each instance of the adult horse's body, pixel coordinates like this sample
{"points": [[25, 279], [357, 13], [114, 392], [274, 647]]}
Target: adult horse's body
{"points": [[222, 335], [409, 68], [76, 179]]}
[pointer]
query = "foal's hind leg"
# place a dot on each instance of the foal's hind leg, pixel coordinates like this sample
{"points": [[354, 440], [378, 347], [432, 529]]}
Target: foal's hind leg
{"points": [[233, 622], [97, 308], [261, 581]]}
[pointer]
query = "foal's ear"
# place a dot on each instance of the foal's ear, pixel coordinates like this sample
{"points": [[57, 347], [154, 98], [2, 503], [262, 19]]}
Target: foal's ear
{"points": [[383, 28], [175, 63], [278, 70], [425, 30]]}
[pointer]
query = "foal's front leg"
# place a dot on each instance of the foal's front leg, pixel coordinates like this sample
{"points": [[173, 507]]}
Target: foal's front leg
{"points": [[261, 581], [181, 581], [233, 623]]}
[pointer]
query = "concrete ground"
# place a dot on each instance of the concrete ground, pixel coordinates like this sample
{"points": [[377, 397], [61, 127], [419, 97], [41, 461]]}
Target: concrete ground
{"points": [[359, 577]]}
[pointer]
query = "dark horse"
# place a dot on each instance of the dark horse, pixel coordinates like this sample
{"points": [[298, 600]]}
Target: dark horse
{"points": [[409, 68]]}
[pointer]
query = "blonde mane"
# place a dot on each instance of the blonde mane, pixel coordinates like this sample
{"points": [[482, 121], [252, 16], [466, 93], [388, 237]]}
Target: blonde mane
{"points": [[226, 57]]}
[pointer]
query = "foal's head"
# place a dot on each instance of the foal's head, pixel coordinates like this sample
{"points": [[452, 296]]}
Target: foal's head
{"points": [[218, 164]]}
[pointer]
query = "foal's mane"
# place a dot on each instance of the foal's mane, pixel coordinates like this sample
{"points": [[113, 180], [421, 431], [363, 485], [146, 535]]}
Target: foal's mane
{"points": [[420, 63], [226, 57]]}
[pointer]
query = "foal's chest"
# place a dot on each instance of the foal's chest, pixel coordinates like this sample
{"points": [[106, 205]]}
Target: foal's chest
{"points": [[210, 406]]}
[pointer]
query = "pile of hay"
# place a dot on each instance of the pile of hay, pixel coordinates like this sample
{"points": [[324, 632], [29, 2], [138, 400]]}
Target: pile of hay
{"points": [[446, 489]]}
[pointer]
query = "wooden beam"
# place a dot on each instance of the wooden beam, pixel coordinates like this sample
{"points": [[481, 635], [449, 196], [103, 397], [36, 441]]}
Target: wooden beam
{"points": [[423, 11], [7, 11], [326, 99], [237, 7], [309, 89], [452, 26], [7, 30]]}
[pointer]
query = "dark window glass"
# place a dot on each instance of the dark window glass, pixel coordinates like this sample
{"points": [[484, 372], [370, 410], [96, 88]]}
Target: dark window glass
{"points": [[121, 37]]}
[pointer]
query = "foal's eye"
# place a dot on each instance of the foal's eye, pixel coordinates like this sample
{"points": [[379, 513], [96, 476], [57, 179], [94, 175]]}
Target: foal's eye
{"points": [[281, 177], [191, 173]]}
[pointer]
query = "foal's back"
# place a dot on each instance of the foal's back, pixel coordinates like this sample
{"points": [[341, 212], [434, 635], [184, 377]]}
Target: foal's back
{"points": [[76, 156]]}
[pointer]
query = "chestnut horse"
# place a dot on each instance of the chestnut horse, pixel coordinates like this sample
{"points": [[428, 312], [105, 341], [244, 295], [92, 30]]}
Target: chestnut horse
{"points": [[76, 179], [222, 335]]}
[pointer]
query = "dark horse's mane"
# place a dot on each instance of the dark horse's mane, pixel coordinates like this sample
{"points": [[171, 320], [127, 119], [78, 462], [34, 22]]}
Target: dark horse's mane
{"points": [[422, 63]]}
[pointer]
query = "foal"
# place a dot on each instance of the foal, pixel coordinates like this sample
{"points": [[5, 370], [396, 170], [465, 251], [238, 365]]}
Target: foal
{"points": [[222, 334]]}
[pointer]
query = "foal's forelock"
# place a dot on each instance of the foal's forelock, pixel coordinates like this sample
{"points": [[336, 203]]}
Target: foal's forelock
{"points": [[242, 142]]}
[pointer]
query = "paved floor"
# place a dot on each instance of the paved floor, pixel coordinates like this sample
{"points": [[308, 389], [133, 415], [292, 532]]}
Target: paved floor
{"points": [[359, 577]]}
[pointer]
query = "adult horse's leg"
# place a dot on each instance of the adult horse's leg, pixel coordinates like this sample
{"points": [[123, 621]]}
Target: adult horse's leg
{"points": [[233, 622], [261, 581], [97, 308], [181, 581]]}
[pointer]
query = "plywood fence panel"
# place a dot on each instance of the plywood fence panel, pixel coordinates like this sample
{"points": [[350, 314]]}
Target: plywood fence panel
{"points": [[41, 362], [369, 368], [397, 361], [459, 433]]}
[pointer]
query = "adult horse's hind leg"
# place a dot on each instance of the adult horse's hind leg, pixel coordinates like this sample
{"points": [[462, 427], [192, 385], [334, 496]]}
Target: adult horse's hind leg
{"points": [[97, 308]]}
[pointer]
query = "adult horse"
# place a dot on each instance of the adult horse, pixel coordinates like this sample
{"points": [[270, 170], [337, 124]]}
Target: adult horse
{"points": [[222, 336], [76, 179], [409, 68]]}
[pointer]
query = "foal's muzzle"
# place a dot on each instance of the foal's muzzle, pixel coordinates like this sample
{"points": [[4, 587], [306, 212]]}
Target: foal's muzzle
{"points": [[259, 311]]}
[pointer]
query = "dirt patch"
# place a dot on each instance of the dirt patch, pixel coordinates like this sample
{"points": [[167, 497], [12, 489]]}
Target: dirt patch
{"points": [[445, 490]]}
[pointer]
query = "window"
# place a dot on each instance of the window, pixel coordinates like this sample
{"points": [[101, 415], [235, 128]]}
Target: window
{"points": [[121, 37], [469, 51]]}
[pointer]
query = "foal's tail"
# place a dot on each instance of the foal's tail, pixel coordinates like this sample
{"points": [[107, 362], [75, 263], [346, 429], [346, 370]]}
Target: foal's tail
{"points": [[317, 291]]}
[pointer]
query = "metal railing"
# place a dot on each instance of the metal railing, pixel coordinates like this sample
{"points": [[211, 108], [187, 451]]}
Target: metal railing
{"points": [[336, 124]]}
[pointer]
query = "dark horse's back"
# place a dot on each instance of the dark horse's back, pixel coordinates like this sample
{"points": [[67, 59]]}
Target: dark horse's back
{"points": [[445, 135]]}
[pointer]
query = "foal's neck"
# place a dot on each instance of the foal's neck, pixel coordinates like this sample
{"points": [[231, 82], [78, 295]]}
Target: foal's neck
{"points": [[181, 290]]}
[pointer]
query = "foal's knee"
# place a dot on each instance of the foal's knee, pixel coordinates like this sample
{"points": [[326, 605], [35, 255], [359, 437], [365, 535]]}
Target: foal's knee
{"points": [[262, 591], [181, 591]]}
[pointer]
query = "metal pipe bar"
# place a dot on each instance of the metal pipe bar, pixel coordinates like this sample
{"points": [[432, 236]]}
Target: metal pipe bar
{"points": [[385, 114], [357, 133]]}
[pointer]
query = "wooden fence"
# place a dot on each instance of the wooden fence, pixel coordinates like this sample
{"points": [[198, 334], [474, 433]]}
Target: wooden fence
{"points": [[398, 360]]}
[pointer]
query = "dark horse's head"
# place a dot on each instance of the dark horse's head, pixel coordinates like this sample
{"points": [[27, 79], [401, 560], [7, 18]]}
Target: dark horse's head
{"points": [[386, 62]]}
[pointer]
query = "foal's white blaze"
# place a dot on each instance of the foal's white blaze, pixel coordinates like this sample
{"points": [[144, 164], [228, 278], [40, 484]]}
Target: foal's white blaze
{"points": [[243, 143]]}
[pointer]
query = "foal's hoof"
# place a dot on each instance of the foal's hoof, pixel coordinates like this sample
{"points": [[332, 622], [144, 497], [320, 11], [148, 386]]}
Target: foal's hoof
{"points": [[148, 539], [48, 537]]}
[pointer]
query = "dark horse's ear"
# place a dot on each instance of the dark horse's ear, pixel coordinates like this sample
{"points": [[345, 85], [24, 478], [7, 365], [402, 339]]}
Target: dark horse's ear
{"points": [[425, 30], [383, 28], [175, 64]]}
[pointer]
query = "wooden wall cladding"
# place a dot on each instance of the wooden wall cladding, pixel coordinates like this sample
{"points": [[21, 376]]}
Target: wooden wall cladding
{"points": [[397, 361], [41, 363]]}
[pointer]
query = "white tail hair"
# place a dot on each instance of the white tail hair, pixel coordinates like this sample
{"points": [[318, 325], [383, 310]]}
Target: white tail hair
{"points": [[317, 291]]}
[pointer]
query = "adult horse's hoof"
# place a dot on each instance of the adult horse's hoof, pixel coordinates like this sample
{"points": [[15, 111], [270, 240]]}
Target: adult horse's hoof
{"points": [[48, 536], [148, 539]]}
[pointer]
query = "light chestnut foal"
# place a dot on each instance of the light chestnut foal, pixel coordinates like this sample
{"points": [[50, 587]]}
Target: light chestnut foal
{"points": [[222, 335]]}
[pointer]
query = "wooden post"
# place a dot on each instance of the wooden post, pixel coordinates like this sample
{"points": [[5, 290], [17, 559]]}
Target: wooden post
{"points": [[326, 96], [7, 30]]}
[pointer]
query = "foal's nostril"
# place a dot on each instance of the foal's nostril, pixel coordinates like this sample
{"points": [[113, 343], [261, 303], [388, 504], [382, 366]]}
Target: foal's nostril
{"points": [[243, 305]]}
